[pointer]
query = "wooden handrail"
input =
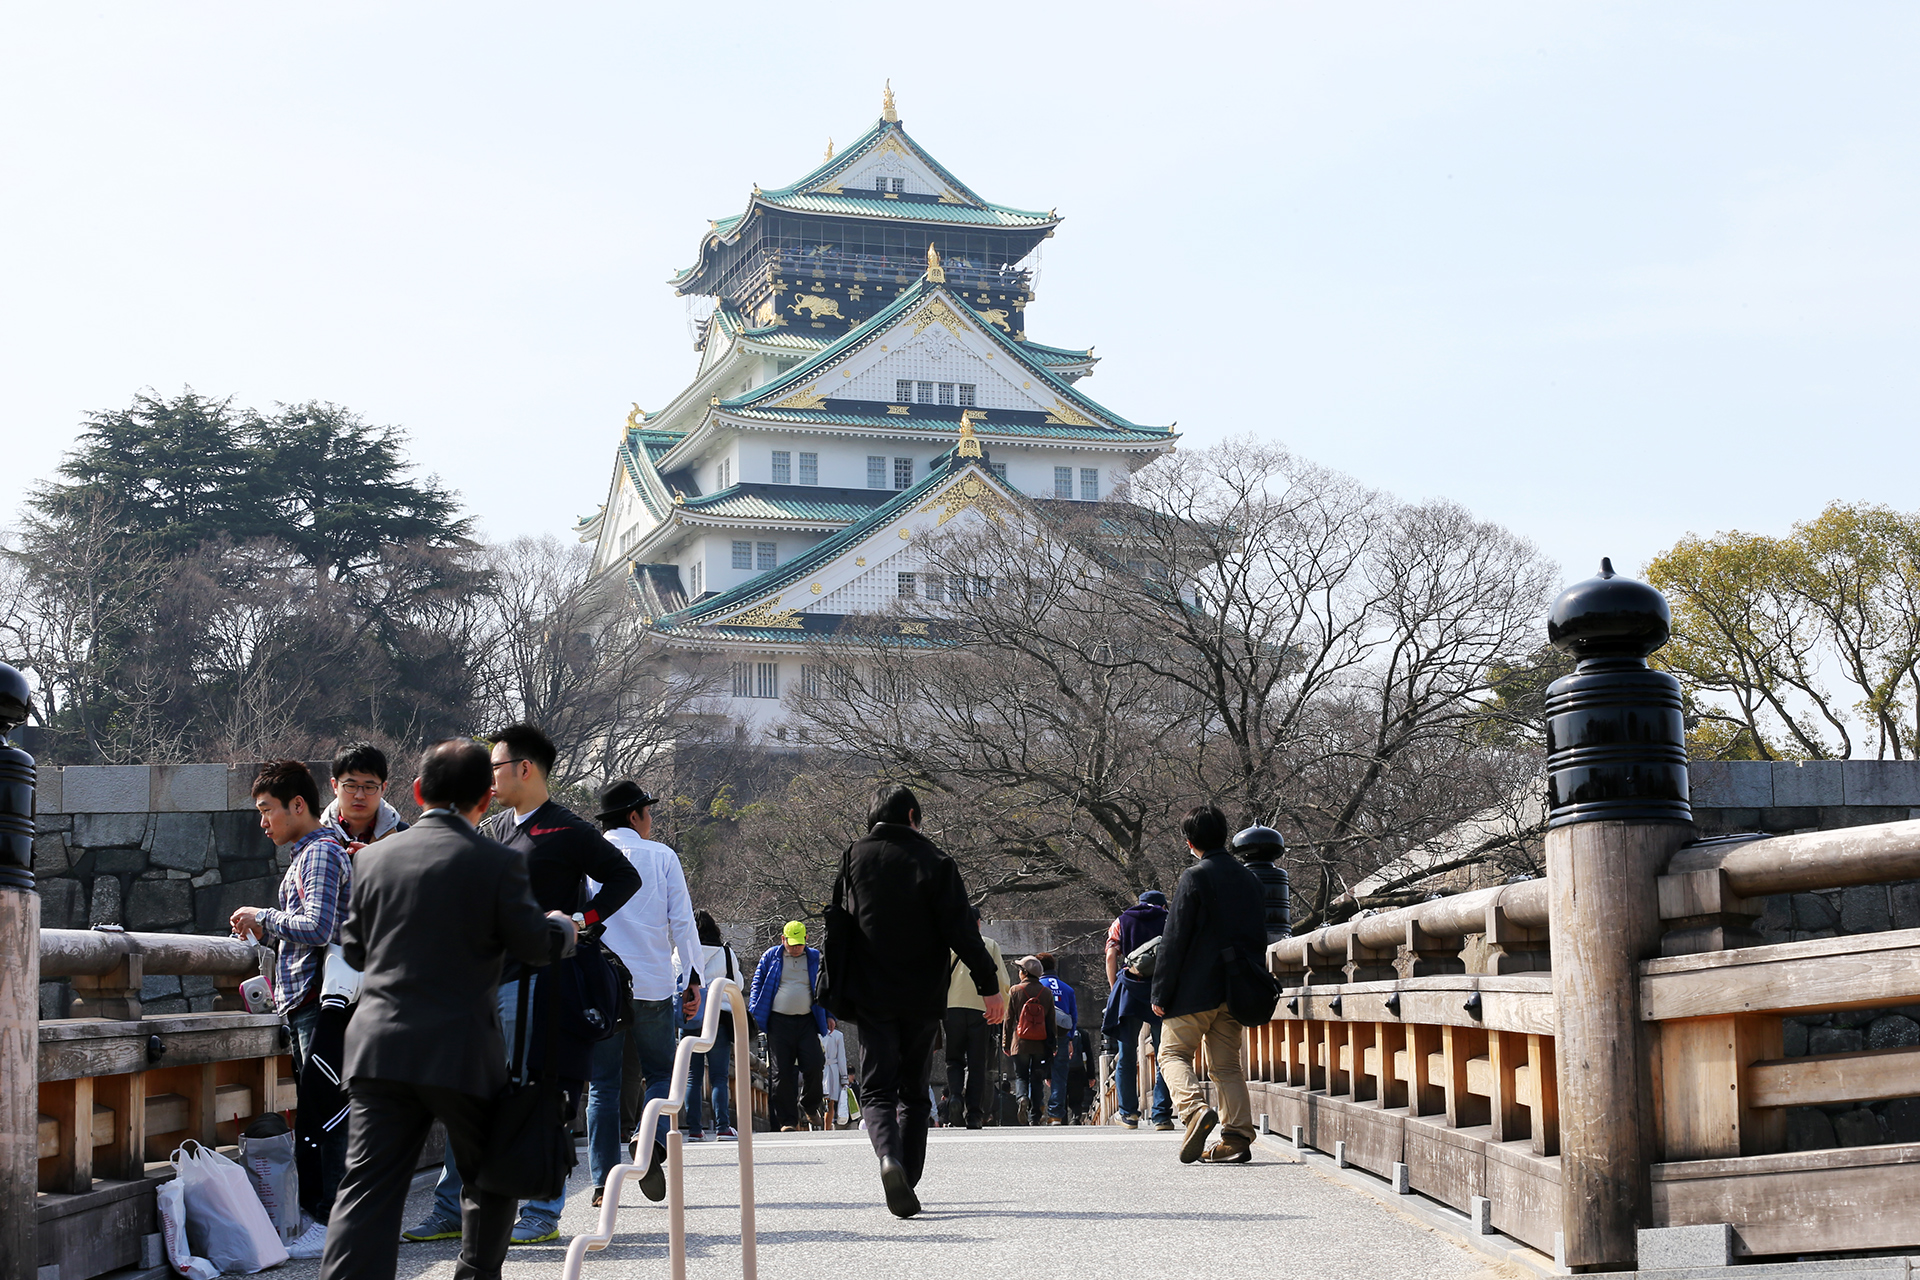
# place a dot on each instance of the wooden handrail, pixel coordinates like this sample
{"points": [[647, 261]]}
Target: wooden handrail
{"points": [[73, 953], [1878, 854]]}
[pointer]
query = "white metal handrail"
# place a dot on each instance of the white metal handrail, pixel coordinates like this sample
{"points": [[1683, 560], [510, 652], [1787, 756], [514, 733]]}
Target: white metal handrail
{"points": [[643, 1144]]}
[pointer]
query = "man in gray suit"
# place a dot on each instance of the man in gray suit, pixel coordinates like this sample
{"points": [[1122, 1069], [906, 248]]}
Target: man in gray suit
{"points": [[436, 910]]}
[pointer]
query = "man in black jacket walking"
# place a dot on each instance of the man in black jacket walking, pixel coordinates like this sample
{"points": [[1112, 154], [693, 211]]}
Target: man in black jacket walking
{"points": [[910, 911], [436, 909], [1217, 907]]}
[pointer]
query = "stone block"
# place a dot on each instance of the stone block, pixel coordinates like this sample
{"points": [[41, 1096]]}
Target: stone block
{"points": [[1795, 1036], [1865, 909], [48, 823], [119, 862], [182, 841], [1671, 1248], [1813, 911], [1882, 782], [1402, 1180], [50, 856], [240, 785], [1480, 1211], [201, 1004], [1835, 1040], [157, 985], [238, 835], [1859, 1128], [1902, 1118], [1853, 1019], [1779, 820], [47, 790], [214, 905], [188, 788], [205, 878], [1340, 1154], [1809, 1129], [154, 904], [62, 904], [106, 788], [1730, 784], [1807, 782], [197, 985], [109, 830], [1905, 905], [167, 1005], [153, 1251], [1891, 1031], [56, 999], [105, 907]]}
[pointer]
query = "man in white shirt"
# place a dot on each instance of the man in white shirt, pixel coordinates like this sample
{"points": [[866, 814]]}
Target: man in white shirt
{"points": [[654, 936]]}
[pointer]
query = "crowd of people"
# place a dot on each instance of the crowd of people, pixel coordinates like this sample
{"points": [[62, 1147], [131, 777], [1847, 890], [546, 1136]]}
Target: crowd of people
{"points": [[499, 973]]}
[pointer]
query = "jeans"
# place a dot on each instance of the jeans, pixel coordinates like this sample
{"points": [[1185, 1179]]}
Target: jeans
{"points": [[1128, 1072], [446, 1192], [1031, 1072], [651, 1037], [712, 1063], [1222, 1035], [1062, 1058]]}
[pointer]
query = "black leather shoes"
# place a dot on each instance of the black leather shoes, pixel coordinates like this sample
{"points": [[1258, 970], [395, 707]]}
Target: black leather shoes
{"points": [[901, 1201], [653, 1183]]}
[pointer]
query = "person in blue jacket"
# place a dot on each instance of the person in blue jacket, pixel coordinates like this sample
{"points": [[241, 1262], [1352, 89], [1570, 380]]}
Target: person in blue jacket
{"points": [[783, 1003], [1066, 1010]]}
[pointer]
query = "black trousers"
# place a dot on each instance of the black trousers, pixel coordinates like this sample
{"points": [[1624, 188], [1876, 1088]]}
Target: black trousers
{"points": [[895, 1058], [966, 1067], [386, 1125], [795, 1061]]}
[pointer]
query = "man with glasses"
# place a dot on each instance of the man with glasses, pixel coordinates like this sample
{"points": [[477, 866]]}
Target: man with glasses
{"points": [[358, 813], [563, 852]]}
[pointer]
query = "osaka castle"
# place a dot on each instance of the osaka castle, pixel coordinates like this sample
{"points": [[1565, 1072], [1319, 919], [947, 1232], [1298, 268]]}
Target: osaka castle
{"points": [[866, 374]]}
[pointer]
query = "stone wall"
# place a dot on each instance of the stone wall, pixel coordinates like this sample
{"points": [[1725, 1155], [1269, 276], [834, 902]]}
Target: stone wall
{"points": [[1780, 796], [153, 849]]}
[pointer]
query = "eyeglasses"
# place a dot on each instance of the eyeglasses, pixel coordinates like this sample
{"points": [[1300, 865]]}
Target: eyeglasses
{"points": [[517, 760], [361, 788]]}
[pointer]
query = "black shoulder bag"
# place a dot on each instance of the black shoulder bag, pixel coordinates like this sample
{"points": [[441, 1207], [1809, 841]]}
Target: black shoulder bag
{"points": [[830, 992], [530, 1152], [1251, 991]]}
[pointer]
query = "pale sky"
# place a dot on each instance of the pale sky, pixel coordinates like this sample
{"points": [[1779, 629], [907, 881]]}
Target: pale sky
{"points": [[1605, 273]]}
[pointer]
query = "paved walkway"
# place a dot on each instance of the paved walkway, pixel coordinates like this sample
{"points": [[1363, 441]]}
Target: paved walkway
{"points": [[1003, 1204]]}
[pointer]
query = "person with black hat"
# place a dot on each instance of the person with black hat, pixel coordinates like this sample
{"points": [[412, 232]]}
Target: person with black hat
{"points": [[1260, 848], [654, 936]]}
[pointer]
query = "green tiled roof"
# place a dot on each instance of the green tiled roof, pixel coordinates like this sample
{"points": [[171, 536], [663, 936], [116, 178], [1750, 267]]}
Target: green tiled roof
{"points": [[789, 502], [822, 552], [807, 370], [992, 215], [990, 427]]}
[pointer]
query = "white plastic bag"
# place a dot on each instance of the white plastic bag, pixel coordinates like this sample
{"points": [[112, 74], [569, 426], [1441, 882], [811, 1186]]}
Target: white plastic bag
{"points": [[226, 1223], [267, 1154], [173, 1225]]}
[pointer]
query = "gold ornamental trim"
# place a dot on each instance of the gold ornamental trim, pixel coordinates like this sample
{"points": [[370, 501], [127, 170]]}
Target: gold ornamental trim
{"points": [[767, 613], [807, 399], [1064, 416], [937, 312], [971, 492]]}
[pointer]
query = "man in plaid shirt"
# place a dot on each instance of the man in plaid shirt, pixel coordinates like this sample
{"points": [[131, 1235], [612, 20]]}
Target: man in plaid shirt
{"points": [[312, 906]]}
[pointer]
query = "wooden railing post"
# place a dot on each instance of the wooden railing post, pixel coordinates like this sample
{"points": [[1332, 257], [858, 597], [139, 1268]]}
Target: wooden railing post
{"points": [[19, 995], [1617, 798]]}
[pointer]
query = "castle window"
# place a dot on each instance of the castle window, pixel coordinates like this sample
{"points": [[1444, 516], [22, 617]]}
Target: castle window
{"points": [[899, 184], [936, 587], [946, 393], [743, 679], [903, 390], [876, 472], [966, 395], [903, 473], [724, 473], [743, 555], [923, 392], [766, 679], [693, 579], [999, 469], [765, 555], [809, 468], [907, 588], [1063, 482], [810, 681], [782, 467], [1089, 484], [880, 183]]}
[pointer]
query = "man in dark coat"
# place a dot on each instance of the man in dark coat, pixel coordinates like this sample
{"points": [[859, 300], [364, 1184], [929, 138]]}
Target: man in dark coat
{"points": [[436, 910], [910, 911], [1130, 1008], [1217, 908]]}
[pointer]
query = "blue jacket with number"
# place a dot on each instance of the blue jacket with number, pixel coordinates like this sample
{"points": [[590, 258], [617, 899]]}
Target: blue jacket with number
{"points": [[1063, 999], [766, 982]]}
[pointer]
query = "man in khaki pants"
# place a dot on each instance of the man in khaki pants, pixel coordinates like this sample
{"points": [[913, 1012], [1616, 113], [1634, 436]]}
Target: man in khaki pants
{"points": [[1217, 905]]}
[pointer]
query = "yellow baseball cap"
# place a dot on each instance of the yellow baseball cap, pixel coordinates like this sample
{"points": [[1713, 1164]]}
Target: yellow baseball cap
{"points": [[795, 933]]}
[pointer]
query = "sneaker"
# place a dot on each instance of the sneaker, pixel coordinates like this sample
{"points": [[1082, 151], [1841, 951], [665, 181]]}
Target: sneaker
{"points": [[1231, 1149], [311, 1243], [533, 1231], [901, 1201], [432, 1228], [1163, 1126], [727, 1135], [653, 1183], [1132, 1122], [1199, 1126]]}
